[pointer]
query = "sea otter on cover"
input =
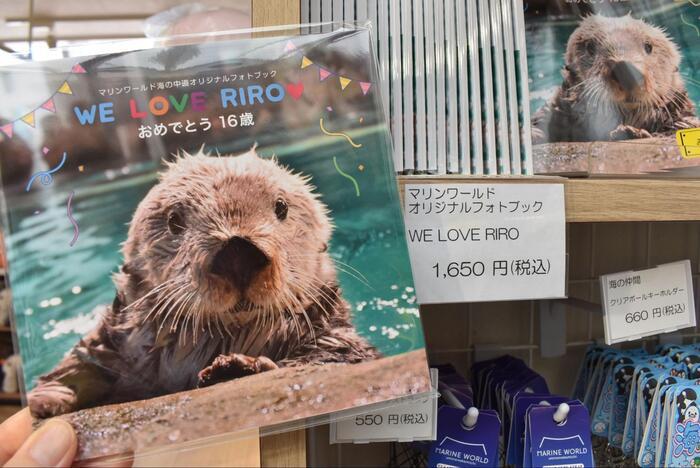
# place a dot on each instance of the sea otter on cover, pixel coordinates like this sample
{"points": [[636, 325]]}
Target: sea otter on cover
{"points": [[225, 274], [621, 81]]}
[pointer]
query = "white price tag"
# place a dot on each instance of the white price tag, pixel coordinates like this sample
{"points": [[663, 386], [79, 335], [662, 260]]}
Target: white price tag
{"points": [[486, 242], [648, 302], [415, 418]]}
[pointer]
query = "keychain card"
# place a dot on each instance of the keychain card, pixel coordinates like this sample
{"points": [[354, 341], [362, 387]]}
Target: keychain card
{"points": [[559, 444], [460, 446]]}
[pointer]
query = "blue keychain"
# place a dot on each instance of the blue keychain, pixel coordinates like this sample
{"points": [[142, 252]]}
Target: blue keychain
{"points": [[559, 436], [465, 438]]}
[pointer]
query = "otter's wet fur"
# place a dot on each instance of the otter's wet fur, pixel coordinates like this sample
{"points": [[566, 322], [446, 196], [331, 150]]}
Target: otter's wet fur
{"points": [[225, 274], [621, 81]]}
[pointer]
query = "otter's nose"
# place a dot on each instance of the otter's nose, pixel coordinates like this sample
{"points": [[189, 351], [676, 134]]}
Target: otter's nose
{"points": [[238, 261], [627, 76]]}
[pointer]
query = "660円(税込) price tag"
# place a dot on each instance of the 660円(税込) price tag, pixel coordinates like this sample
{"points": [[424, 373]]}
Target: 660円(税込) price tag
{"points": [[647, 302]]}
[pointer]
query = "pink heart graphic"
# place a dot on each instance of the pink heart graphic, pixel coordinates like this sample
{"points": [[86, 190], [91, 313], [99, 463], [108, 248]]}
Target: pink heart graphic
{"points": [[295, 90]]}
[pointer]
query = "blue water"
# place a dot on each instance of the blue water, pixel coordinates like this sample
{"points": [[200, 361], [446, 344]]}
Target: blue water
{"points": [[56, 287], [547, 38]]}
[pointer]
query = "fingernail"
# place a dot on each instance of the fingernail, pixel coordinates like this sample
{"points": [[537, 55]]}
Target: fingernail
{"points": [[51, 442]]}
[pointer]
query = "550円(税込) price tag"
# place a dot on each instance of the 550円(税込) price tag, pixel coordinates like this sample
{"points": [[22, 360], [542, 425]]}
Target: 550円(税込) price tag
{"points": [[647, 302], [486, 242], [411, 418]]}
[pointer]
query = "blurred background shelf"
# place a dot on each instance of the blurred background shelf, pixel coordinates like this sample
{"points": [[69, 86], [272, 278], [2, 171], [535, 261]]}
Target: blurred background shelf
{"points": [[605, 199], [13, 398]]}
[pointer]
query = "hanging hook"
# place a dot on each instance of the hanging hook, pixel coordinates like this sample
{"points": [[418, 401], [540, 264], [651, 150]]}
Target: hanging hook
{"points": [[469, 419], [561, 413]]}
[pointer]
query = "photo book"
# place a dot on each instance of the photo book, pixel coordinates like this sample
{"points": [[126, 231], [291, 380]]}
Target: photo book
{"points": [[205, 236], [614, 87]]}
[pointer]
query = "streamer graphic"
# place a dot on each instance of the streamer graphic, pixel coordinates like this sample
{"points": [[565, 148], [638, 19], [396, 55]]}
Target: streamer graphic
{"points": [[684, 21], [76, 228], [347, 176], [45, 177], [340, 134]]}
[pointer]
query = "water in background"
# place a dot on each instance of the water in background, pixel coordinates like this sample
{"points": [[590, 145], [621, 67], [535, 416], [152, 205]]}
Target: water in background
{"points": [[547, 38], [58, 289]]}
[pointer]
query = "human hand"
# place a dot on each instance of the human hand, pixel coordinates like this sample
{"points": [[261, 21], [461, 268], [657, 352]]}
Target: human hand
{"points": [[53, 444]]}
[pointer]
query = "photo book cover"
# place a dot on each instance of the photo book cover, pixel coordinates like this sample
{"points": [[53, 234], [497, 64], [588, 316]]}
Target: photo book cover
{"points": [[206, 237], [614, 86]]}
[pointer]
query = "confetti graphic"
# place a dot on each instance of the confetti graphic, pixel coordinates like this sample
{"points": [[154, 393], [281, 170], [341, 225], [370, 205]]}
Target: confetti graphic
{"points": [[45, 177], [347, 176], [324, 73], [684, 21], [340, 134], [76, 229]]}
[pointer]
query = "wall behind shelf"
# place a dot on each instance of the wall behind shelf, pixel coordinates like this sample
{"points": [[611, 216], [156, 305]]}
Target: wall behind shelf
{"points": [[454, 330]]}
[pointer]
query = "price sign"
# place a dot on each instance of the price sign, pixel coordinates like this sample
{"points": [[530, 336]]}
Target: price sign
{"points": [[411, 418], [648, 302], [486, 242]]}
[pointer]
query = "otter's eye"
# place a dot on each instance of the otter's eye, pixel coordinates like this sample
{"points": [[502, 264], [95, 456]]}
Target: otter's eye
{"points": [[176, 225], [648, 47], [590, 47], [281, 209]]}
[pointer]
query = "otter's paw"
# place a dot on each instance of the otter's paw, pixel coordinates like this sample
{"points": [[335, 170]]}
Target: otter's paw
{"points": [[51, 399], [232, 366], [628, 132], [538, 136]]}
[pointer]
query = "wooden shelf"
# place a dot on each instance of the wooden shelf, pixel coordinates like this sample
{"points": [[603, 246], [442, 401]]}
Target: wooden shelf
{"points": [[606, 199], [10, 398], [4, 329]]}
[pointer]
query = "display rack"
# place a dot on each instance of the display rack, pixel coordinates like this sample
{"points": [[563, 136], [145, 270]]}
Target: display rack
{"points": [[631, 211], [615, 224]]}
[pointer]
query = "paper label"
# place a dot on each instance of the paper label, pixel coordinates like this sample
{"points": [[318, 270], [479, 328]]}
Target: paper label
{"points": [[486, 242], [648, 302], [415, 419]]}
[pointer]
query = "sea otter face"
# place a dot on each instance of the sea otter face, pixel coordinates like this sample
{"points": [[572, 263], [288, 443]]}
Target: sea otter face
{"points": [[227, 240], [622, 62]]}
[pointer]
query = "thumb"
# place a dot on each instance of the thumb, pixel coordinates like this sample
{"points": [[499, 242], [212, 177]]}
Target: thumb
{"points": [[53, 444]]}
